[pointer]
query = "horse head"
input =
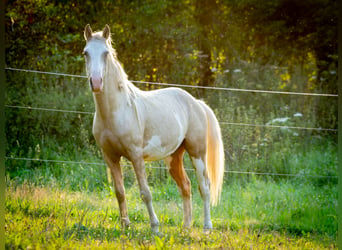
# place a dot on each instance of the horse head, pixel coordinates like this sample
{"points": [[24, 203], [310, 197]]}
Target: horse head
{"points": [[96, 52]]}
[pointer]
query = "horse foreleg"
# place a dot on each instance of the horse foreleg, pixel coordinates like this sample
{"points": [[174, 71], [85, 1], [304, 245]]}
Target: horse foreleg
{"points": [[145, 193], [114, 166]]}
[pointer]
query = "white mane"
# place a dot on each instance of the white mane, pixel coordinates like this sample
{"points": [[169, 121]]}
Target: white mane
{"points": [[115, 71]]}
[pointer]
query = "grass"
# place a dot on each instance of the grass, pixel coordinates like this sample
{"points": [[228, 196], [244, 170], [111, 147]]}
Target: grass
{"points": [[257, 214]]}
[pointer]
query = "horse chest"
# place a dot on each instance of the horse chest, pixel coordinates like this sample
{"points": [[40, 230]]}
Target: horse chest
{"points": [[106, 139], [114, 137]]}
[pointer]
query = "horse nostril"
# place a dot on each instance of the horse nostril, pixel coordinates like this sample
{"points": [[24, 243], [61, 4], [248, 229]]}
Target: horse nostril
{"points": [[91, 83]]}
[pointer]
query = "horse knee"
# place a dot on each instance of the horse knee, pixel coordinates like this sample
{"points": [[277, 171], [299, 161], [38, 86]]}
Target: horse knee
{"points": [[120, 194], [204, 191], [145, 196], [186, 189]]}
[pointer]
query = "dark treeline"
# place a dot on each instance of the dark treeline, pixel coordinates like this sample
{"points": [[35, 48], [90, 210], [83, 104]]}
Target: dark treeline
{"points": [[192, 42]]}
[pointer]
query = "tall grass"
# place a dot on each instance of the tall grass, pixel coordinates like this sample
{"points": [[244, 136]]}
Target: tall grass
{"points": [[257, 214], [316, 165]]}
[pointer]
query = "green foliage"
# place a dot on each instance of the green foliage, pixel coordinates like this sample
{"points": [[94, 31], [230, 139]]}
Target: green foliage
{"points": [[157, 39]]}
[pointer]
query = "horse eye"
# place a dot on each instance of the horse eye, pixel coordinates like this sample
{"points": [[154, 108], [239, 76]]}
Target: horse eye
{"points": [[105, 54], [85, 53]]}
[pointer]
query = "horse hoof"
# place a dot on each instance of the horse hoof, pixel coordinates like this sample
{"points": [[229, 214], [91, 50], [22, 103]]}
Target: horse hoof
{"points": [[186, 226], [125, 223], [155, 229], [208, 226]]}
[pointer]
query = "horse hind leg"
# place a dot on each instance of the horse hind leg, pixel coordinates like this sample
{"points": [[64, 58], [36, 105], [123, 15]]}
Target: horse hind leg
{"points": [[176, 169], [204, 187]]}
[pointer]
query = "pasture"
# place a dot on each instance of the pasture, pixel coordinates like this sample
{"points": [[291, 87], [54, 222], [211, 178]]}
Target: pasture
{"points": [[58, 205], [257, 215]]}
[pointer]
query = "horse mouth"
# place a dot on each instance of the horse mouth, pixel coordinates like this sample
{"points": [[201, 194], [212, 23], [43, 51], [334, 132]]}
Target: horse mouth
{"points": [[96, 85]]}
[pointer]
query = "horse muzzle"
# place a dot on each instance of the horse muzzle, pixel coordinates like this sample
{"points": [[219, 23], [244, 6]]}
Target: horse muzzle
{"points": [[96, 84]]}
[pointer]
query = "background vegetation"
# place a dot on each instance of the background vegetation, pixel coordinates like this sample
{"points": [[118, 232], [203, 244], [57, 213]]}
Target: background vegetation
{"points": [[277, 45]]}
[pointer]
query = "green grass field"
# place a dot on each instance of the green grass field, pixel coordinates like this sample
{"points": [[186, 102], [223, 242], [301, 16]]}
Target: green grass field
{"points": [[254, 215]]}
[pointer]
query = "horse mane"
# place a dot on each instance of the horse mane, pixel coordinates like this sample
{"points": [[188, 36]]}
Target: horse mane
{"points": [[115, 71], [121, 79]]}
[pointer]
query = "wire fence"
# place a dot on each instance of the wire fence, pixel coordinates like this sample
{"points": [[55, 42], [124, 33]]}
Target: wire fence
{"points": [[182, 86], [222, 123], [165, 168]]}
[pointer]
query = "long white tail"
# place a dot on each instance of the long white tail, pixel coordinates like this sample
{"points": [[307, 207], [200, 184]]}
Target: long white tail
{"points": [[215, 156]]}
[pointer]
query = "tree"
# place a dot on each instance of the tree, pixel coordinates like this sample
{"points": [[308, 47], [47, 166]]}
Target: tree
{"points": [[286, 30]]}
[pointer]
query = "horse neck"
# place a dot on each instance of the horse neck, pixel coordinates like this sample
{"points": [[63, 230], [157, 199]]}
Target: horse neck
{"points": [[113, 96]]}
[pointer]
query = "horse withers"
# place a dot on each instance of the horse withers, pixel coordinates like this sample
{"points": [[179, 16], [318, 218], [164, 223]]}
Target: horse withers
{"points": [[151, 125]]}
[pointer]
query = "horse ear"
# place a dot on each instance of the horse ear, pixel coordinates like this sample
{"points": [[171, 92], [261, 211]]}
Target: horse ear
{"points": [[87, 32], [106, 32]]}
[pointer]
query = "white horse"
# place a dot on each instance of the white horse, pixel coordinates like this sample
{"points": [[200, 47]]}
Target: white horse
{"points": [[151, 125]]}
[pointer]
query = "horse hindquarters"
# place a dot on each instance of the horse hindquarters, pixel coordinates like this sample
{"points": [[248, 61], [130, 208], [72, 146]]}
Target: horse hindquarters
{"points": [[196, 145], [204, 145]]}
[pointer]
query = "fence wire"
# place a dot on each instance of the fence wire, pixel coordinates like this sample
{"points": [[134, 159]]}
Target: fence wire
{"points": [[222, 123], [165, 168], [182, 86]]}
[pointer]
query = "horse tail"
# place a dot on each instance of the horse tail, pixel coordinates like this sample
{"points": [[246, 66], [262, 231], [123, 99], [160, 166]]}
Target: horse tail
{"points": [[215, 155]]}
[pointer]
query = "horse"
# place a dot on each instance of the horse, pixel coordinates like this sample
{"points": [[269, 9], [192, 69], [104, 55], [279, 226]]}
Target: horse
{"points": [[151, 125]]}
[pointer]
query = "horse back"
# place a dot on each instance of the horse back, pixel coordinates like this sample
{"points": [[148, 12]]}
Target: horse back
{"points": [[170, 115]]}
